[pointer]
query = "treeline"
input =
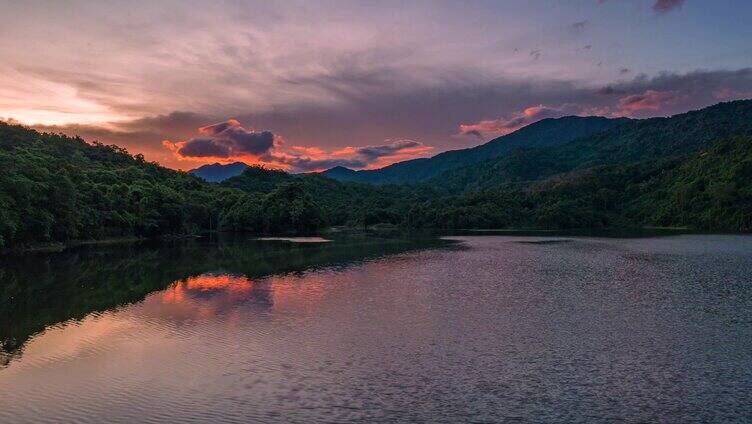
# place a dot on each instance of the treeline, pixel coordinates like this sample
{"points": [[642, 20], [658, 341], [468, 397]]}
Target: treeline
{"points": [[660, 172], [710, 189], [55, 188]]}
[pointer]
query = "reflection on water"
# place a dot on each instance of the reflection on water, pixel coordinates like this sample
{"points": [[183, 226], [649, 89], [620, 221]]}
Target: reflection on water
{"points": [[208, 295], [504, 328], [39, 290]]}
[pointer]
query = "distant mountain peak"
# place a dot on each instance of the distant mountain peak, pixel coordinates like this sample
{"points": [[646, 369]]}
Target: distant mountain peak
{"points": [[340, 173], [217, 172], [339, 168]]}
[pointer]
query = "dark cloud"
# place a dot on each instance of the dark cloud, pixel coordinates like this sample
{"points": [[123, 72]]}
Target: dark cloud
{"points": [[670, 93], [431, 115], [203, 147], [473, 133], [642, 97], [174, 122], [580, 26], [663, 6], [371, 153], [226, 139], [609, 91]]}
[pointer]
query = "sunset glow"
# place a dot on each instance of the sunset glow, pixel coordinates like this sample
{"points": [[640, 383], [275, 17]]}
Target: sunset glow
{"points": [[440, 74]]}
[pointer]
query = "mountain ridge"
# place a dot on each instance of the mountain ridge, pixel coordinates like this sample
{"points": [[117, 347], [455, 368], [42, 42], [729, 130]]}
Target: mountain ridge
{"points": [[638, 140], [546, 132]]}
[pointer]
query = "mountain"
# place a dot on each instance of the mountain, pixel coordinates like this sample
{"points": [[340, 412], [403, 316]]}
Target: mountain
{"points": [[632, 142], [217, 172], [709, 189], [341, 173], [545, 133], [692, 169]]}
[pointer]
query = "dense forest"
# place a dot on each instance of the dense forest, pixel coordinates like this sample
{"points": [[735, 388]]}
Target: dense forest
{"points": [[55, 188], [691, 170]]}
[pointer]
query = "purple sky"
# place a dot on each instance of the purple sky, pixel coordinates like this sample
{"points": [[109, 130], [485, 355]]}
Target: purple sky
{"points": [[308, 85]]}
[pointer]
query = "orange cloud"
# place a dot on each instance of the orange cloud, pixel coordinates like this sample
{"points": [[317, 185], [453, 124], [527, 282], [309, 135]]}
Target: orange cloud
{"points": [[228, 141]]}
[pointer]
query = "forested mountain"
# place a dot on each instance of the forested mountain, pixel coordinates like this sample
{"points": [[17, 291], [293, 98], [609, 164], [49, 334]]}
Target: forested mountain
{"points": [[216, 172], [545, 133], [635, 141], [342, 203], [55, 188], [692, 170], [709, 189]]}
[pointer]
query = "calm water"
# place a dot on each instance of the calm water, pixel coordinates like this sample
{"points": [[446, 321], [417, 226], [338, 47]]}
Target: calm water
{"points": [[488, 329]]}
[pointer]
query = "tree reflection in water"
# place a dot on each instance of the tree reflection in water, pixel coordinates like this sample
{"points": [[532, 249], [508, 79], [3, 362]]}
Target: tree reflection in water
{"points": [[194, 278]]}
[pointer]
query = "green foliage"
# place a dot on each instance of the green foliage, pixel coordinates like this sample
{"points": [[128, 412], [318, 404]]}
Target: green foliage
{"points": [[338, 203], [690, 170], [55, 188], [711, 190], [291, 208]]}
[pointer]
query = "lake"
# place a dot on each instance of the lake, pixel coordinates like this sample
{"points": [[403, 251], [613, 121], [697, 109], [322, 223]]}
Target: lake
{"points": [[489, 328]]}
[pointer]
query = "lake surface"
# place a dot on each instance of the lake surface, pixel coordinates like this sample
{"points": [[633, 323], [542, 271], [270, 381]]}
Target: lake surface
{"points": [[479, 329]]}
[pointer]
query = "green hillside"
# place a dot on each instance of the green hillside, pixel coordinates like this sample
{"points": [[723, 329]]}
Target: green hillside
{"points": [[709, 189], [545, 133], [633, 142]]}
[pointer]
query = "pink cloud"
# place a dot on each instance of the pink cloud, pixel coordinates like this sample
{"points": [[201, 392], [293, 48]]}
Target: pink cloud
{"points": [[497, 127], [301, 158], [502, 126], [651, 100], [229, 141]]}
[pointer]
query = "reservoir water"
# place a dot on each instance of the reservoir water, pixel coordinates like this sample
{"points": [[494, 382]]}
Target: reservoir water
{"points": [[464, 329]]}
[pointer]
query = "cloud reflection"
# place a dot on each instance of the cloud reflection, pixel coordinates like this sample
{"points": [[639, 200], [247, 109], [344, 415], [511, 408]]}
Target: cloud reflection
{"points": [[207, 296]]}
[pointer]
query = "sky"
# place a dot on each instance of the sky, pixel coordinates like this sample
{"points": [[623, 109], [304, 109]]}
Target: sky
{"points": [[307, 85]]}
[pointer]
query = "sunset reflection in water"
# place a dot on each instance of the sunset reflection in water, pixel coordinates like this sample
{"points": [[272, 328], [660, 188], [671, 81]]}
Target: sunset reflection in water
{"points": [[208, 295], [208, 284]]}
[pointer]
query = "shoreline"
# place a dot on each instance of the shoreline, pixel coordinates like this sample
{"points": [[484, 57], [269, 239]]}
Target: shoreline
{"points": [[54, 247]]}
